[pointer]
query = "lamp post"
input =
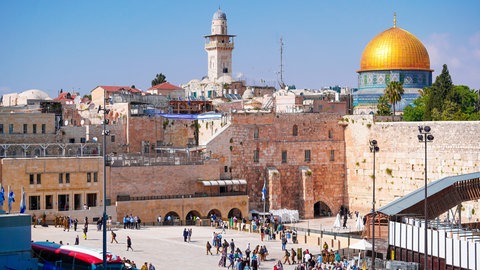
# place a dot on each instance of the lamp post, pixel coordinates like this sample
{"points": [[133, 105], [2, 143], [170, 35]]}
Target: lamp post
{"points": [[105, 132], [424, 136], [373, 148]]}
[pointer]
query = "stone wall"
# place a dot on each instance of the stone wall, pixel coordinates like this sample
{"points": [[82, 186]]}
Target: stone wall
{"points": [[320, 133], [161, 180], [399, 167]]}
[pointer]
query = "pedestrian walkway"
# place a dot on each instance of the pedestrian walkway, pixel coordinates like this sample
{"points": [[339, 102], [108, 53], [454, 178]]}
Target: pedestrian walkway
{"points": [[165, 248]]}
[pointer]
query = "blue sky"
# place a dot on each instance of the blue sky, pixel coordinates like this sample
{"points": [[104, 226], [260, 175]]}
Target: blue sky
{"points": [[77, 45]]}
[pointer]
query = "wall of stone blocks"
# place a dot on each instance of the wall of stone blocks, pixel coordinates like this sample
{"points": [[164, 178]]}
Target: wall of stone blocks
{"points": [[319, 133], [400, 163]]}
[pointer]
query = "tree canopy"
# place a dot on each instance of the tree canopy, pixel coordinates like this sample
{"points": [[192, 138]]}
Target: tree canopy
{"points": [[444, 101], [393, 93], [159, 78], [383, 109]]}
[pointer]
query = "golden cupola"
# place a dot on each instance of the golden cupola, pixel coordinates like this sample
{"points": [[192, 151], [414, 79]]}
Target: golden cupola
{"points": [[395, 49]]}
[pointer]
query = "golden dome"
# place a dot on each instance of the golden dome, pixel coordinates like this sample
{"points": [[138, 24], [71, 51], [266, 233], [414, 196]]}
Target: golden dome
{"points": [[395, 49]]}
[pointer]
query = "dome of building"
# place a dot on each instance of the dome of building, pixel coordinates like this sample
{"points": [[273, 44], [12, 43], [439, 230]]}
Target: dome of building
{"points": [[219, 15], [395, 49]]}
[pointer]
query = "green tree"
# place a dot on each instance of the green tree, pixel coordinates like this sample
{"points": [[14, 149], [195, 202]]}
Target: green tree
{"points": [[440, 90], [159, 78], [393, 93], [383, 109]]}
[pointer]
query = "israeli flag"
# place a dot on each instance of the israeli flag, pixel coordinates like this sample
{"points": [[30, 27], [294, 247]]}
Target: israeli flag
{"points": [[11, 199], [2, 196], [23, 201], [264, 191]]}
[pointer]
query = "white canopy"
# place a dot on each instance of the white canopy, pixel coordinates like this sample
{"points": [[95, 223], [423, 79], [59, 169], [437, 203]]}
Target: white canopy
{"points": [[362, 245]]}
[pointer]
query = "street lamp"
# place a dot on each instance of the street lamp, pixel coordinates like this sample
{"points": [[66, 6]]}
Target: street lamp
{"points": [[425, 136], [373, 148], [105, 133]]}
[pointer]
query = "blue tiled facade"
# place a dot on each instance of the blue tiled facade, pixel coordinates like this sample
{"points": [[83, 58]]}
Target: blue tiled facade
{"points": [[372, 84]]}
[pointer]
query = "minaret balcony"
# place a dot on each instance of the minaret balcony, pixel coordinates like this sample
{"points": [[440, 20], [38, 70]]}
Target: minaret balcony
{"points": [[219, 45]]}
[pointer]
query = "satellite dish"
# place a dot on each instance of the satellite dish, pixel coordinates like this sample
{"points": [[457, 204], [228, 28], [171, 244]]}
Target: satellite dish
{"points": [[82, 122], [94, 139], [66, 122]]}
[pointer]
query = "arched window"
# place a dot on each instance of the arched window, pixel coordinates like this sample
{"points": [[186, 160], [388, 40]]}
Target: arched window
{"points": [[295, 130]]}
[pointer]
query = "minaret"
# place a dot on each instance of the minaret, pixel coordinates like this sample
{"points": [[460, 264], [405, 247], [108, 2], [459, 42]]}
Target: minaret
{"points": [[219, 46]]}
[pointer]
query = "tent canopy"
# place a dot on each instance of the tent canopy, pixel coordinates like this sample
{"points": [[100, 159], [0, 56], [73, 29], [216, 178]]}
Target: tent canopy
{"points": [[362, 245]]}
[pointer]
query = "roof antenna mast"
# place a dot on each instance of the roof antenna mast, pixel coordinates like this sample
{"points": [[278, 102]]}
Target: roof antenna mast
{"points": [[281, 83]]}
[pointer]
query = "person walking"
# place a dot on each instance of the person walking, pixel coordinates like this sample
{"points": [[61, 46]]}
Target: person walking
{"points": [[286, 257], [129, 243], [284, 242], [85, 230], [209, 247], [185, 235], [114, 237], [294, 255], [189, 235]]}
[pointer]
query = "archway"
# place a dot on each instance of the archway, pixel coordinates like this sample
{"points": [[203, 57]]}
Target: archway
{"points": [[191, 217], [235, 212], [215, 212], [171, 217], [321, 209]]}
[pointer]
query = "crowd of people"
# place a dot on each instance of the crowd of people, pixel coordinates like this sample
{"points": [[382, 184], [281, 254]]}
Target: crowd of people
{"points": [[131, 222]]}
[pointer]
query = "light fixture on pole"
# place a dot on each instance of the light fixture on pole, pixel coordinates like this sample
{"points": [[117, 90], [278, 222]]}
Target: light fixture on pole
{"points": [[105, 133], [424, 136], [373, 148]]}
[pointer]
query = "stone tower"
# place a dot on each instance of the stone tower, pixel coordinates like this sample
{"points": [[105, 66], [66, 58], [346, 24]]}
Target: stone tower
{"points": [[219, 46]]}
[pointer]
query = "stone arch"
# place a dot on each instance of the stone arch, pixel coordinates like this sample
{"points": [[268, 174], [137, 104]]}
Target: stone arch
{"points": [[216, 212], [193, 213], [174, 217], [191, 217], [235, 212], [321, 209]]}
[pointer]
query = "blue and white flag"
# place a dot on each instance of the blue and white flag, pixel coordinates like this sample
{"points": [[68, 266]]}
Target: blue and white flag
{"points": [[2, 196], [11, 199], [23, 202], [264, 191]]}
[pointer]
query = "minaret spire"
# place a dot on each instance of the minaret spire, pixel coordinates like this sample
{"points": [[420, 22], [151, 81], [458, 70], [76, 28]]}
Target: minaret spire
{"points": [[394, 19]]}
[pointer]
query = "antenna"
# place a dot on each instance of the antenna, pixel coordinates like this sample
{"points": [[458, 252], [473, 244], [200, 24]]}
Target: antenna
{"points": [[281, 83]]}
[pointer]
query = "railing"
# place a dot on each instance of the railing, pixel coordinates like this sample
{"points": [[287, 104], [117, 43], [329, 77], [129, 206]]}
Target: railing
{"points": [[164, 158], [124, 198]]}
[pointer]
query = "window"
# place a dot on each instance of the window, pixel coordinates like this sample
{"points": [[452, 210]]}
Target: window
{"points": [[67, 178], [330, 134], [10, 128], [307, 156], [95, 177], [33, 202], [255, 133], [225, 169], [60, 178], [44, 128], [112, 138], [83, 140], [49, 202], [1, 128], [25, 128], [295, 130], [34, 130], [332, 155], [77, 201], [89, 177], [63, 202], [32, 179], [91, 199], [39, 179], [284, 156], [256, 156]]}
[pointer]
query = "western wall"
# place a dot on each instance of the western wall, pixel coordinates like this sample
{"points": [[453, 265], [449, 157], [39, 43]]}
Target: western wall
{"points": [[399, 167]]}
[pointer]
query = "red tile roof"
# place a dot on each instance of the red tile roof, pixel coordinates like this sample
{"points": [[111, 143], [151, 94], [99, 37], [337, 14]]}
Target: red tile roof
{"points": [[165, 86], [63, 96]]}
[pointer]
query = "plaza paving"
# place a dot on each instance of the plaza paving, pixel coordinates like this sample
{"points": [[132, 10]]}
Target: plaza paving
{"points": [[164, 246]]}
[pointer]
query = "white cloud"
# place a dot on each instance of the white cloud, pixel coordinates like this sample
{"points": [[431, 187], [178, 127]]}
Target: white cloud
{"points": [[461, 54]]}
